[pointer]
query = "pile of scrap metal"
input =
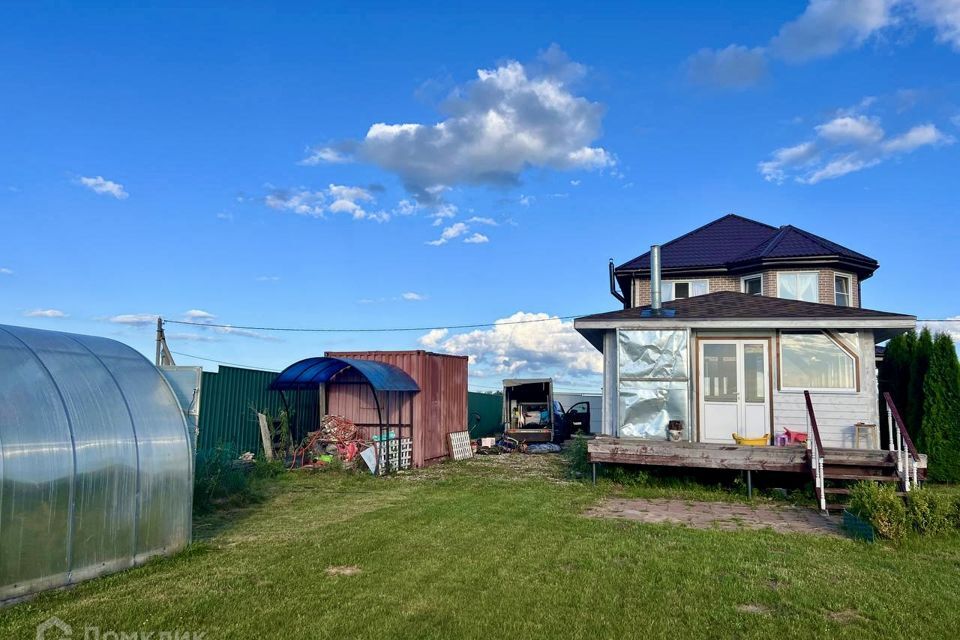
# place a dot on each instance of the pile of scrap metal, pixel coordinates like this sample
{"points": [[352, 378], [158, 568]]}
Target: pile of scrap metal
{"points": [[338, 438]]}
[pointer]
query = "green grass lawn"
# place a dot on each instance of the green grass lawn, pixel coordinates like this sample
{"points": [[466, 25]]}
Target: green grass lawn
{"points": [[496, 548]]}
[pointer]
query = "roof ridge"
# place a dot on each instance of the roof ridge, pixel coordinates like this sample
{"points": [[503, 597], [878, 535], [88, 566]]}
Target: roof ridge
{"points": [[768, 244], [698, 229]]}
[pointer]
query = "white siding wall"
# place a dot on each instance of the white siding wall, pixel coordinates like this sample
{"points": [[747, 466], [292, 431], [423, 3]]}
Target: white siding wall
{"points": [[836, 412]]}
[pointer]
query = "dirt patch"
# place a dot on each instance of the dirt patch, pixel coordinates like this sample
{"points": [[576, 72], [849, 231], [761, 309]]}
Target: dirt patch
{"points": [[717, 515], [846, 616], [349, 570], [756, 609]]}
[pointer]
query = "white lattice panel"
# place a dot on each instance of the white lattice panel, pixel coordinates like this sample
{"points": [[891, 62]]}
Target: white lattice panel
{"points": [[400, 452], [460, 445]]}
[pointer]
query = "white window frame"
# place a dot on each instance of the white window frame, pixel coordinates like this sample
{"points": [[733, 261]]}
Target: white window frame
{"points": [[849, 279], [815, 274], [688, 282], [754, 276], [843, 346]]}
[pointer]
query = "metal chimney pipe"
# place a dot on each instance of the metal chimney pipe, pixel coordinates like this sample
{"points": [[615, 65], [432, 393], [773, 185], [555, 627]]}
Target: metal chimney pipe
{"points": [[655, 279]]}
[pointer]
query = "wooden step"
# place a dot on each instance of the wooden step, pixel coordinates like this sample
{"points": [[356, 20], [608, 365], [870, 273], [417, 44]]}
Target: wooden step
{"points": [[833, 475], [845, 491], [853, 462]]}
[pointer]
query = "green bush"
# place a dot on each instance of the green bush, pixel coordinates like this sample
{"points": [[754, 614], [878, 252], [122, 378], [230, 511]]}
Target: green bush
{"points": [[881, 507], [577, 457], [219, 477], [929, 512]]}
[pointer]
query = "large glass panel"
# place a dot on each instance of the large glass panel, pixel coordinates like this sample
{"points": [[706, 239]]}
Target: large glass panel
{"points": [[814, 361], [719, 372], [798, 286], [754, 373]]}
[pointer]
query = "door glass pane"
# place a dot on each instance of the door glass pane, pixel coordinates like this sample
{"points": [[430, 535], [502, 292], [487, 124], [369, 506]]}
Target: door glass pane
{"points": [[719, 372], [754, 373]]}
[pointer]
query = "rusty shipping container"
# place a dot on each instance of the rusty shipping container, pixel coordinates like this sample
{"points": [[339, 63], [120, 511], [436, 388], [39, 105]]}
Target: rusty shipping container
{"points": [[438, 410]]}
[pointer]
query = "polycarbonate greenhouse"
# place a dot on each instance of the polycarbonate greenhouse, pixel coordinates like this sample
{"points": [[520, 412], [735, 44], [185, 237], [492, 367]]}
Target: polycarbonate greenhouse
{"points": [[96, 466]]}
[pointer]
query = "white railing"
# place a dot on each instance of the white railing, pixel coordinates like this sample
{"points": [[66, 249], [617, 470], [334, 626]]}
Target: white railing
{"points": [[815, 446], [901, 445]]}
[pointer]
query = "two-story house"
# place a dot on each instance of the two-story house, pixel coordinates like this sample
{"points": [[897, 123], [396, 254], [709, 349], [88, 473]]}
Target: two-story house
{"points": [[740, 332], [735, 253]]}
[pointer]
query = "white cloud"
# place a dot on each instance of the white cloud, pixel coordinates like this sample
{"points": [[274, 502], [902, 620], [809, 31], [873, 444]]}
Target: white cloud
{"points": [[846, 143], [508, 119], [245, 333], [334, 199], [951, 327], [324, 155], [225, 216], [134, 319], [548, 346], [943, 16], [455, 230], [476, 238], [4, 271], [268, 278], [575, 183], [104, 187], [192, 337], [45, 313], [734, 67], [828, 26], [198, 315], [825, 28], [413, 296], [526, 201], [433, 338], [851, 129], [479, 220], [919, 136]]}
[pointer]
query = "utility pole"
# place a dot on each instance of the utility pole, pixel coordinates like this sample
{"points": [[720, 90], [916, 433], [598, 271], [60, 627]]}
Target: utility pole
{"points": [[164, 357]]}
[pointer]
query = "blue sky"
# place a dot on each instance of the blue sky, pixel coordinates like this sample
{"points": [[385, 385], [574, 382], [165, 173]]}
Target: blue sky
{"points": [[227, 159]]}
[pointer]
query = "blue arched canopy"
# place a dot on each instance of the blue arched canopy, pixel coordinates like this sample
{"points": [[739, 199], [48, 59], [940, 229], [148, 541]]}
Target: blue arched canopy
{"points": [[309, 373]]}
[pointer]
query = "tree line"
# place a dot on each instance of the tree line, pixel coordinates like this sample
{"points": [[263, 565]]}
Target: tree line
{"points": [[922, 373]]}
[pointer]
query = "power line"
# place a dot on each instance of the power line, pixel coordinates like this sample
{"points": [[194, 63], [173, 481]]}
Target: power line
{"points": [[367, 330], [229, 364]]}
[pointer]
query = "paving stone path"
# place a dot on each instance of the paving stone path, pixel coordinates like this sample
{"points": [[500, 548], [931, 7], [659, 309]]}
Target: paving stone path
{"points": [[725, 516]]}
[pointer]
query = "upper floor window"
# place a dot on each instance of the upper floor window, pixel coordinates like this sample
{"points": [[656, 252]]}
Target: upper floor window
{"points": [[798, 285], [841, 290], [676, 289], [752, 285]]}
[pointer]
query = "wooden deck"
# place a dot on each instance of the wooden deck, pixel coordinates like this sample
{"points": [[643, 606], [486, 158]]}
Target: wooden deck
{"points": [[790, 459]]}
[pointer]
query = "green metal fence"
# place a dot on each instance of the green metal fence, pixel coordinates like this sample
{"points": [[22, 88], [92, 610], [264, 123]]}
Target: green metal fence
{"points": [[229, 401], [489, 406]]}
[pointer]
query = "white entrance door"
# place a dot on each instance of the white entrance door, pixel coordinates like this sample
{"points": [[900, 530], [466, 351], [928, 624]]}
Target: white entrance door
{"points": [[733, 390]]}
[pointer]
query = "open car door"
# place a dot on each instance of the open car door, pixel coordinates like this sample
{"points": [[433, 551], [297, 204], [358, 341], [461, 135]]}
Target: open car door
{"points": [[577, 418]]}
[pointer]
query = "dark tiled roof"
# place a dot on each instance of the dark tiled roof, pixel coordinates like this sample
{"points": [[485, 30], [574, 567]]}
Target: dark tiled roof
{"points": [[731, 305], [734, 240], [714, 244], [791, 242]]}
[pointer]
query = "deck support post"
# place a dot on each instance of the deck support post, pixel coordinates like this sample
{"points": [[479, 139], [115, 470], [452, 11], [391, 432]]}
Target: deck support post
{"points": [[749, 484], [594, 468]]}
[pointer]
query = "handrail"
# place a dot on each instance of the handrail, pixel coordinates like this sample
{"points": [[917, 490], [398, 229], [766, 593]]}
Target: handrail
{"points": [[816, 454], [914, 453], [813, 420]]}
